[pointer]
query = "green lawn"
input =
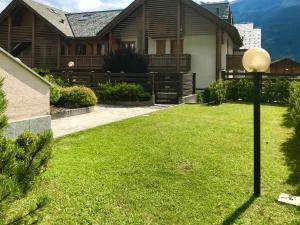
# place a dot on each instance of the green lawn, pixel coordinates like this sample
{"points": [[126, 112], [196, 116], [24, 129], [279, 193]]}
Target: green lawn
{"points": [[189, 164]]}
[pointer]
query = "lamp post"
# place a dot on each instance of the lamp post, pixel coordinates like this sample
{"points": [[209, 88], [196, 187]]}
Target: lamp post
{"points": [[257, 61], [71, 65]]}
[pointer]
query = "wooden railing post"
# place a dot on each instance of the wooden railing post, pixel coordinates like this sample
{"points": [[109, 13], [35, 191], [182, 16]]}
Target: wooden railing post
{"points": [[194, 83], [180, 85], [223, 74]]}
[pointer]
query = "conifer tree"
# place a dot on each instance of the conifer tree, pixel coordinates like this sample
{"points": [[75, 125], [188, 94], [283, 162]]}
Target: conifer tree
{"points": [[21, 161]]}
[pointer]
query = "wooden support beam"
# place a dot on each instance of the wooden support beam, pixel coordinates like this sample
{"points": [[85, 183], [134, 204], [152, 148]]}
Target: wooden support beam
{"points": [[110, 42], [58, 51], [178, 35], [218, 52], [33, 42], [9, 34], [143, 28]]}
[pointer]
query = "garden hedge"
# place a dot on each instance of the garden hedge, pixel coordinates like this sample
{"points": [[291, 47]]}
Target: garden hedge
{"points": [[114, 92], [294, 105], [273, 91]]}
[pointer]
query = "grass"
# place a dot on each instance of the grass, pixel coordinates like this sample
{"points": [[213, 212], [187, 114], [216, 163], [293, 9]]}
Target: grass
{"points": [[190, 164]]}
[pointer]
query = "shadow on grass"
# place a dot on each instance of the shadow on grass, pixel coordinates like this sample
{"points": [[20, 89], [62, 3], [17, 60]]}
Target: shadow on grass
{"points": [[291, 149], [239, 211]]}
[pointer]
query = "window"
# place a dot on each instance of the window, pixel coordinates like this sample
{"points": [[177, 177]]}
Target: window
{"points": [[161, 47], [84, 17], [128, 44], [174, 47], [81, 49], [101, 49], [53, 10], [64, 50]]}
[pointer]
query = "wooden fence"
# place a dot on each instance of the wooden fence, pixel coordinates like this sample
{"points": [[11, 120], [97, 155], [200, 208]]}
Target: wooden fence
{"points": [[240, 75], [167, 87]]}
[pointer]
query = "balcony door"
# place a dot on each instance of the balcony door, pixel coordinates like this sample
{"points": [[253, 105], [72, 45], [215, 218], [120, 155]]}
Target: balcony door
{"points": [[161, 47], [174, 47]]}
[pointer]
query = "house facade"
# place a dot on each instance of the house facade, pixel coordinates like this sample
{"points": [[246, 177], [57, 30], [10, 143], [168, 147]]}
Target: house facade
{"points": [[175, 35]]}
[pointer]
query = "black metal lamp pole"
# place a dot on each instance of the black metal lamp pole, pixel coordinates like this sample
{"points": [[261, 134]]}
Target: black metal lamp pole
{"points": [[257, 78]]}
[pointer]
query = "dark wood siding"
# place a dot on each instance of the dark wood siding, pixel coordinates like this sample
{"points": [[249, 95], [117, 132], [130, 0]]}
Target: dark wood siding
{"points": [[46, 45], [22, 34], [195, 24], [130, 27], [4, 34], [161, 18]]}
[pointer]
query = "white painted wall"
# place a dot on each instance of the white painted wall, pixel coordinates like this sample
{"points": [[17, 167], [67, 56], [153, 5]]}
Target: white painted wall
{"points": [[28, 95], [203, 51], [227, 47]]}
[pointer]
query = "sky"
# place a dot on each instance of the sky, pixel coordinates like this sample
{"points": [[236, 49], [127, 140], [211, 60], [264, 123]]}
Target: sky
{"points": [[86, 5]]}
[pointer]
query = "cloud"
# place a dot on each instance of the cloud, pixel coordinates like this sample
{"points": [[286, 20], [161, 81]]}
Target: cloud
{"points": [[86, 5]]}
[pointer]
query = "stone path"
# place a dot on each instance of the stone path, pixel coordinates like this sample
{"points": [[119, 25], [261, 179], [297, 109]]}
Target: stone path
{"points": [[103, 114]]}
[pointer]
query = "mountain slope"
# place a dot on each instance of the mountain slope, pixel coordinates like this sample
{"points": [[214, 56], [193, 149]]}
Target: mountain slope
{"points": [[280, 23]]}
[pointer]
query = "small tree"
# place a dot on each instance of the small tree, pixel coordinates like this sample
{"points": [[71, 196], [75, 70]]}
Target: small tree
{"points": [[126, 60], [21, 161]]}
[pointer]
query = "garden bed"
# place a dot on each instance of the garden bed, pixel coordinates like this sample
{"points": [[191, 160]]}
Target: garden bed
{"points": [[61, 112]]}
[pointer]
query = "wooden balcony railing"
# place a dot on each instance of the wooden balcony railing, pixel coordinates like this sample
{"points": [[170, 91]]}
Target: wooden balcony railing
{"points": [[156, 62], [169, 62], [83, 62]]}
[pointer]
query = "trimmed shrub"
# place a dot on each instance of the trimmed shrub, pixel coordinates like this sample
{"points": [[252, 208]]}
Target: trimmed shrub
{"points": [[216, 92], [110, 92], [294, 105], [241, 89], [126, 60], [275, 90], [77, 96]]}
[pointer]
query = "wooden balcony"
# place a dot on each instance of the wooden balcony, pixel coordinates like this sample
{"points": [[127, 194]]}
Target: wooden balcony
{"points": [[157, 63], [168, 62], [83, 62]]}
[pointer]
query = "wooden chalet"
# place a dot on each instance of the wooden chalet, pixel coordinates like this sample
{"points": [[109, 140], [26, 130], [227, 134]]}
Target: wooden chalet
{"points": [[176, 35], [285, 66]]}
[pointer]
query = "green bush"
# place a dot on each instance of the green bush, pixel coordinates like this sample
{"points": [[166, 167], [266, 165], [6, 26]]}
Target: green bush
{"points": [[241, 89], [275, 90], [216, 92], [77, 96], [54, 80], [294, 105], [110, 92], [41, 71], [55, 94]]}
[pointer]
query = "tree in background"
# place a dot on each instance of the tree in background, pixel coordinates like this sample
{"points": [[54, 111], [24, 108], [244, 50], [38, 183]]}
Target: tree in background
{"points": [[126, 60], [21, 161]]}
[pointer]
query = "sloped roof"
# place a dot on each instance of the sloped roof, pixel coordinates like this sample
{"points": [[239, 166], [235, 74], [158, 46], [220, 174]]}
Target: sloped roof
{"points": [[90, 23], [221, 10], [54, 16]]}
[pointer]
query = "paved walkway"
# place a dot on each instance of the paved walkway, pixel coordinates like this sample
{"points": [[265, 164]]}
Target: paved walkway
{"points": [[103, 114]]}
